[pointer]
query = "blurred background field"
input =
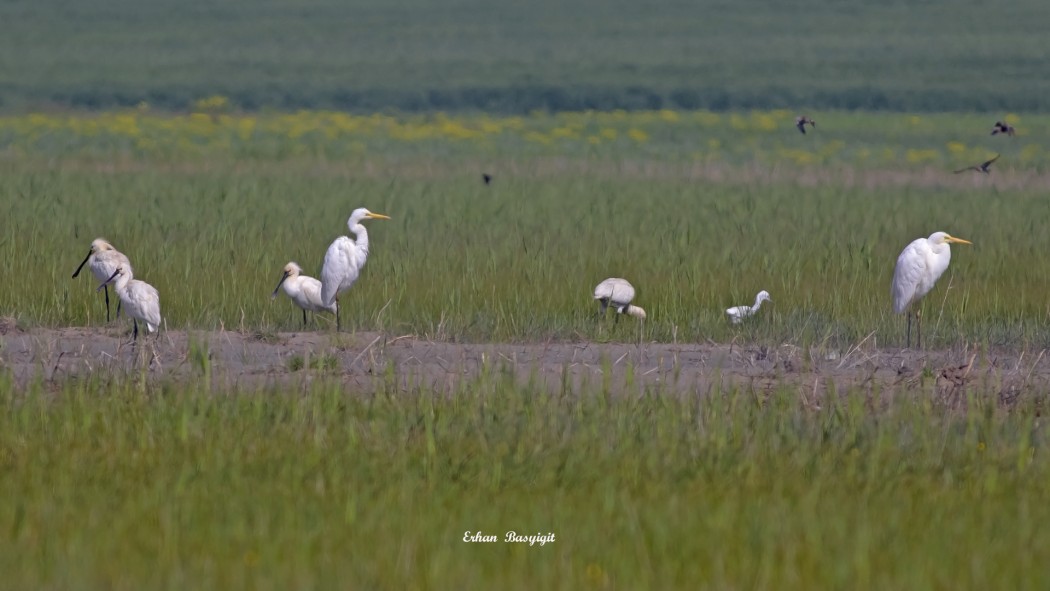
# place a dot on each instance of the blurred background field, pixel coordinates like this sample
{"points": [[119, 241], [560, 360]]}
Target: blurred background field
{"points": [[421, 55]]}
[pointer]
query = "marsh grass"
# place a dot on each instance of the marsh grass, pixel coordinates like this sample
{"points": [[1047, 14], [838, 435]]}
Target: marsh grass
{"points": [[319, 486], [518, 260]]}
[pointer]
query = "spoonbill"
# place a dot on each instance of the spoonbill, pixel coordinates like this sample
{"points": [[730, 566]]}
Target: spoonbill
{"points": [[303, 290], [919, 266], [103, 259], [737, 314], [618, 293], [345, 259], [140, 299]]}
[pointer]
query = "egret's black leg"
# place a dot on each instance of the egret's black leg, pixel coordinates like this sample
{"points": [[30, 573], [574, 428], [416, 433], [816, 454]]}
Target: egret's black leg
{"points": [[304, 317], [135, 334], [105, 288], [918, 323], [118, 308], [909, 329], [338, 323]]}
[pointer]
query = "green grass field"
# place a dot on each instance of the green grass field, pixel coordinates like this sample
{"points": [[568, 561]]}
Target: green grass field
{"points": [[126, 485], [323, 485]]}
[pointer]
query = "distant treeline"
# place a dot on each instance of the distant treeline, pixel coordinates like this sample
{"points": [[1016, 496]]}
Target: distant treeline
{"points": [[525, 99]]}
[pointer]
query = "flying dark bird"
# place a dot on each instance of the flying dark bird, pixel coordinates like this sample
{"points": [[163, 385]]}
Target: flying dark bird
{"points": [[802, 120], [487, 178], [982, 167], [1003, 127]]}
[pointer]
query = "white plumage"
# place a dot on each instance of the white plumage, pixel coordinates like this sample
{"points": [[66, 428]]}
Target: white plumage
{"points": [[737, 314], [919, 266], [141, 300], [618, 293], [103, 259], [345, 259], [303, 290]]}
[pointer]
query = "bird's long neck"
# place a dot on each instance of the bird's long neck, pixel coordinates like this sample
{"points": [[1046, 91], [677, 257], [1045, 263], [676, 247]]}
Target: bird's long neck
{"points": [[361, 242], [758, 304], [121, 283]]}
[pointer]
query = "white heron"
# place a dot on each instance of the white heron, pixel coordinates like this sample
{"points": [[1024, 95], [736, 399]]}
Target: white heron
{"points": [[737, 314], [919, 266], [345, 259], [303, 290], [618, 293], [103, 259], [140, 299]]}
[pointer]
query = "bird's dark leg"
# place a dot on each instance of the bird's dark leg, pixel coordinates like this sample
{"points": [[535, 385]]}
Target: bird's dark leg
{"points": [[909, 329], [135, 334], [918, 325], [338, 322], [304, 317], [118, 308], [601, 311], [105, 288]]}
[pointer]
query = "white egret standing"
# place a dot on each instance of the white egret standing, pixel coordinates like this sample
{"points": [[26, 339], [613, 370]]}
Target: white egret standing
{"points": [[919, 266], [345, 259], [103, 259], [618, 293], [303, 290], [140, 299], [737, 314]]}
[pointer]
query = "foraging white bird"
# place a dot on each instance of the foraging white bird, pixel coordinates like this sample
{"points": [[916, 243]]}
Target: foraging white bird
{"points": [[303, 290], [919, 266], [140, 299], [345, 259], [737, 314], [103, 259], [618, 293]]}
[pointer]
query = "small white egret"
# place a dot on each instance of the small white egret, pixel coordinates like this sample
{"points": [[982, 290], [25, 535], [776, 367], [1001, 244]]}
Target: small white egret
{"points": [[345, 259], [140, 299], [618, 293], [303, 290], [737, 314], [919, 266], [103, 259]]}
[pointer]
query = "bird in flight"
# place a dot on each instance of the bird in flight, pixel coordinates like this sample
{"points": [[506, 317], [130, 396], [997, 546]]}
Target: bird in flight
{"points": [[1003, 127], [982, 167], [802, 120]]}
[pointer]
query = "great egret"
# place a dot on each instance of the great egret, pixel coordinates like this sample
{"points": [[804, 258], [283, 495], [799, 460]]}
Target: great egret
{"points": [[919, 266], [801, 121], [345, 259], [140, 299], [1003, 127], [737, 314], [618, 293], [103, 260], [982, 167], [304, 291]]}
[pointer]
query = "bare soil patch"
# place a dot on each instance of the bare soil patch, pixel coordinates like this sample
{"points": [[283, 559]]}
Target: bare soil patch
{"points": [[361, 361]]}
